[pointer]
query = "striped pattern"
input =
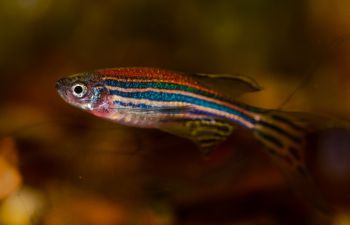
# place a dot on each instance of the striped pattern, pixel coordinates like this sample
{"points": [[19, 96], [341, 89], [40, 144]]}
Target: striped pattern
{"points": [[209, 133], [158, 88], [154, 97], [284, 138]]}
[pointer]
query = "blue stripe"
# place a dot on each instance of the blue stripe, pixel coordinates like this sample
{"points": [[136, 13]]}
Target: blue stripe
{"points": [[172, 86], [145, 107], [158, 85], [175, 97], [141, 106], [168, 111]]}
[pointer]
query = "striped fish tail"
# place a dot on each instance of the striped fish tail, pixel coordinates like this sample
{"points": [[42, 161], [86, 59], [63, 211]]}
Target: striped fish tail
{"points": [[284, 135]]}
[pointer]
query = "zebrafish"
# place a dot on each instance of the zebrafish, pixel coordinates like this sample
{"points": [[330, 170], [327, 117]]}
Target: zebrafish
{"points": [[200, 107]]}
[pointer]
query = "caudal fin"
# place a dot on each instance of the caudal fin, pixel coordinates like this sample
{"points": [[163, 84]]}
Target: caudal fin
{"points": [[285, 137]]}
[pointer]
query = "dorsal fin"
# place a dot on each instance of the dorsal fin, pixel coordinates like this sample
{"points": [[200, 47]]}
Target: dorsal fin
{"points": [[231, 85]]}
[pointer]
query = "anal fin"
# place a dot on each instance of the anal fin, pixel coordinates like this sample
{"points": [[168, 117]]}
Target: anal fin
{"points": [[206, 134]]}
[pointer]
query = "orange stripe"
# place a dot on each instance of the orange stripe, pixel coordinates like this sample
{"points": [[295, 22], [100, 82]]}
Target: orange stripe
{"points": [[152, 75], [142, 72]]}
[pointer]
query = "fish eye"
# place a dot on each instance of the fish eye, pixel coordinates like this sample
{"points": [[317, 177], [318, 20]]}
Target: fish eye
{"points": [[79, 90]]}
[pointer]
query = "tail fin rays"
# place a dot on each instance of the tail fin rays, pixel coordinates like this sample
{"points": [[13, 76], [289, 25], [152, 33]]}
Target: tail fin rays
{"points": [[284, 135]]}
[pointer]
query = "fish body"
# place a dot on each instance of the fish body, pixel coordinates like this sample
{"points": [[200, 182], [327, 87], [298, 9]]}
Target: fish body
{"points": [[154, 98], [143, 90], [183, 104]]}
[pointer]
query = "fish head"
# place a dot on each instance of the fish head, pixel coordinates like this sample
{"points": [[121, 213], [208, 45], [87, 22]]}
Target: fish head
{"points": [[85, 91]]}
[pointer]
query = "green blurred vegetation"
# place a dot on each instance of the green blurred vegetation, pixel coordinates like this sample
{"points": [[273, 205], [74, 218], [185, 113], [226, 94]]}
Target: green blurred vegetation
{"points": [[62, 166]]}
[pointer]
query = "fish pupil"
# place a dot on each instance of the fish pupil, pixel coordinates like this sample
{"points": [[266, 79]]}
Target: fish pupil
{"points": [[78, 89]]}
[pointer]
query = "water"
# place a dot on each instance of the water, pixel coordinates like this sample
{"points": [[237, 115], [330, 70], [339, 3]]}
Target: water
{"points": [[62, 166]]}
